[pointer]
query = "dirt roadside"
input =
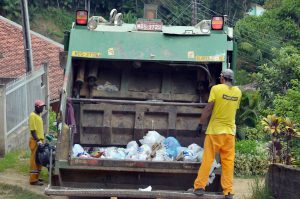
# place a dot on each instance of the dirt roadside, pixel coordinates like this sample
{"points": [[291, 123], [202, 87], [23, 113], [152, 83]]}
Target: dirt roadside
{"points": [[21, 180], [241, 186]]}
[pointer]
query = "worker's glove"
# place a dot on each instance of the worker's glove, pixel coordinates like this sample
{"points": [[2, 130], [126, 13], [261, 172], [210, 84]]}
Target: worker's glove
{"points": [[199, 130]]}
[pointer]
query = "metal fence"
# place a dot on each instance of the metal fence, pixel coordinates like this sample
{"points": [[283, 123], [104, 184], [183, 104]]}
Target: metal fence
{"points": [[20, 97]]}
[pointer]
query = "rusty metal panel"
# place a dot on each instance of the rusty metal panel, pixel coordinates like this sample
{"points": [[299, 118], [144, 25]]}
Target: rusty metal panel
{"points": [[115, 124]]}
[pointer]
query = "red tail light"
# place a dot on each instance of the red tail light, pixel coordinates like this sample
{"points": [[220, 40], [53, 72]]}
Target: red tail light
{"points": [[217, 23], [81, 17]]}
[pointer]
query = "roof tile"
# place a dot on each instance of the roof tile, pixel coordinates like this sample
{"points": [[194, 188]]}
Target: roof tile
{"points": [[43, 50]]}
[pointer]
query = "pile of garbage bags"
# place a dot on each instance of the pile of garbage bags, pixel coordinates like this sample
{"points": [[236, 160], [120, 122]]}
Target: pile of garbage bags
{"points": [[153, 146]]}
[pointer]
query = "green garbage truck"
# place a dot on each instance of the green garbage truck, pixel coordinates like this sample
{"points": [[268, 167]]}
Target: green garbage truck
{"points": [[124, 80]]}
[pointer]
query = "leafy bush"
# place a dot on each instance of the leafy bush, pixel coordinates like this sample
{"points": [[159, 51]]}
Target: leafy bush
{"points": [[61, 20], [288, 105], [250, 133], [295, 151], [52, 121], [243, 77], [276, 77], [282, 131], [247, 113], [251, 158], [129, 17]]}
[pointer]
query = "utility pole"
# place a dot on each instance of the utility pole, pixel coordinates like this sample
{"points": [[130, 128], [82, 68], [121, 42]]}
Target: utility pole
{"points": [[194, 12], [87, 5], [26, 37]]}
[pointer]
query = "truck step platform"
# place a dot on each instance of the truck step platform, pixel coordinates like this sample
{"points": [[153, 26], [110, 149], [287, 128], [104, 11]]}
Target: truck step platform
{"points": [[127, 193]]}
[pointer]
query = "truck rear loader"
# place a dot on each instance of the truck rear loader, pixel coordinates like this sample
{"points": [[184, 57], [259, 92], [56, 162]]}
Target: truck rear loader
{"points": [[155, 77]]}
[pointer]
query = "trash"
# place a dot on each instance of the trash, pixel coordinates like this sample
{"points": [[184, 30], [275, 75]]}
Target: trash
{"points": [[187, 155], [78, 151], [144, 152], [152, 138], [211, 178], [171, 145], [149, 188], [162, 155], [114, 153], [214, 166], [43, 155], [108, 87], [195, 148], [97, 154], [131, 150], [155, 148]]}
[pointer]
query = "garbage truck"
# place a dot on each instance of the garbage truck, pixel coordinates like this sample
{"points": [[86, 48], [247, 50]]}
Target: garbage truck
{"points": [[121, 81]]}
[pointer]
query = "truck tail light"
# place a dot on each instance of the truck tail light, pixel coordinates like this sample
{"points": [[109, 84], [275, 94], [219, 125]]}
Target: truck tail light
{"points": [[81, 17], [217, 23]]}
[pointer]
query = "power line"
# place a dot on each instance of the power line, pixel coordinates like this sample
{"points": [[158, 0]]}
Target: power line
{"points": [[255, 44], [246, 58], [177, 16], [173, 8], [180, 14], [232, 21], [274, 39]]}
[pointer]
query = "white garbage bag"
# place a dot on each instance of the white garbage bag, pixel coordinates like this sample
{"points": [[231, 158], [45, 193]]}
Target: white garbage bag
{"points": [[151, 138]]}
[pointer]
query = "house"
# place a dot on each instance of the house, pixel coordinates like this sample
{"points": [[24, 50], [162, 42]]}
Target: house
{"points": [[12, 62], [256, 10]]}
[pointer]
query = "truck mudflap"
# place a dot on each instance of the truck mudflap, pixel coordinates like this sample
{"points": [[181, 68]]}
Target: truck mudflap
{"points": [[126, 193]]}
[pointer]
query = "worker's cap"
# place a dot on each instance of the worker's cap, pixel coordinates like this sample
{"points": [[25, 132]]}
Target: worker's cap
{"points": [[39, 103], [228, 73]]}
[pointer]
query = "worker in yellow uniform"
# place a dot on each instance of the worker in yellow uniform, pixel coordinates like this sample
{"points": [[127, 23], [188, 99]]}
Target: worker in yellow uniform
{"points": [[36, 138], [223, 102]]}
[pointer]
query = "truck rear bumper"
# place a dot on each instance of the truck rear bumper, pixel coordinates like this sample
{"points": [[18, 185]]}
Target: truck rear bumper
{"points": [[126, 193]]}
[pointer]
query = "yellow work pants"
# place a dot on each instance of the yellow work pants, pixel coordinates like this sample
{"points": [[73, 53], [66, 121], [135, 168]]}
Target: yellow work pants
{"points": [[225, 145], [34, 168]]}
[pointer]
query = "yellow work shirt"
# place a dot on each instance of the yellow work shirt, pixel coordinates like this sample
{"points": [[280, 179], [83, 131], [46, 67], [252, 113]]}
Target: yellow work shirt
{"points": [[226, 101], [36, 123]]}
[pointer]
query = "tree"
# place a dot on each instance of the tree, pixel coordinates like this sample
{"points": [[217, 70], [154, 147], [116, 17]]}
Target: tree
{"points": [[288, 105], [11, 9], [277, 27], [276, 76]]}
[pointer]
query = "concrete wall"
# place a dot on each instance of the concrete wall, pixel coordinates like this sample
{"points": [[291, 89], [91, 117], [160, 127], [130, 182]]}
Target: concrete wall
{"points": [[2, 120], [18, 140], [284, 181]]}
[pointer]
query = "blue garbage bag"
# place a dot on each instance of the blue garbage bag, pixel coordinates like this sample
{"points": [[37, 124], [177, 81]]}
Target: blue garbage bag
{"points": [[171, 145]]}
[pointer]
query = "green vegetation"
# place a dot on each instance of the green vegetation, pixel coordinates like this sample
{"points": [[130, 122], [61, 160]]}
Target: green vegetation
{"points": [[19, 162], [251, 158], [269, 60], [52, 121], [61, 20], [260, 190], [15, 192], [282, 132]]}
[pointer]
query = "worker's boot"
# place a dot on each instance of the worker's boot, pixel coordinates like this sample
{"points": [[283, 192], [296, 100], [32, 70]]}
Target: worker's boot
{"points": [[37, 183], [199, 192]]}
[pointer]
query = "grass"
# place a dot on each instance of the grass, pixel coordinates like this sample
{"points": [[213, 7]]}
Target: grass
{"points": [[19, 162], [260, 190], [16, 192]]}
